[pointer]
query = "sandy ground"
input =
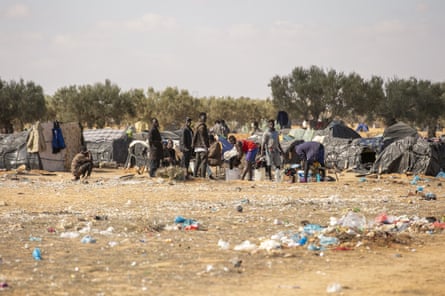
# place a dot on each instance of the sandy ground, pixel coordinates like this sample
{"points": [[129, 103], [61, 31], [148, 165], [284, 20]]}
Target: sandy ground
{"points": [[139, 250]]}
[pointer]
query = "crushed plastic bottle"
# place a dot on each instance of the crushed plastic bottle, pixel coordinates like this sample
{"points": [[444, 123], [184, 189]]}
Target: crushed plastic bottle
{"points": [[312, 228], [353, 220], [223, 244], [302, 241], [415, 179], [245, 246], [88, 240], [37, 254], [327, 240], [334, 288]]}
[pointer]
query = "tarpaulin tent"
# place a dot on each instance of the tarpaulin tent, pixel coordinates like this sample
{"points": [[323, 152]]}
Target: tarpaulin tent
{"points": [[13, 151], [341, 144], [411, 154], [21, 149], [337, 129], [396, 132], [107, 145], [60, 161]]}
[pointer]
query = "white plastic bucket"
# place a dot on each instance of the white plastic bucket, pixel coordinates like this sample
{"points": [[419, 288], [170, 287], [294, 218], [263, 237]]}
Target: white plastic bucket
{"points": [[259, 174], [232, 174]]}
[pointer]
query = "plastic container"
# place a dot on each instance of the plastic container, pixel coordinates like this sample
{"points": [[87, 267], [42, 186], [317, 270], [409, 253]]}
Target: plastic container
{"points": [[232, 174], [259, 175], [278, 177], [300, 174]]}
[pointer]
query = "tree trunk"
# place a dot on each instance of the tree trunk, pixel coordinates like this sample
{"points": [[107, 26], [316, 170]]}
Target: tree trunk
{"points": [[432, 130]]}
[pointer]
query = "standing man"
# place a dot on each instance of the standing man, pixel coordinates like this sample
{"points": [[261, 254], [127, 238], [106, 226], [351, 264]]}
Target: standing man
{"points": [[82, 164], [271, 149], [185, 145], [201, 146], [310, 153], [155, 143]]}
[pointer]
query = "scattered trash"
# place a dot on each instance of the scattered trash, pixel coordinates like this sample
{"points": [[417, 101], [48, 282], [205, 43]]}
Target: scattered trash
{"points": [[415, 180], [187, 224], [3, 285], [87, 240], [35, 239], [245, 246], [334, 288], [223, 244], [70, 234], [36, 254], [429, 196]]}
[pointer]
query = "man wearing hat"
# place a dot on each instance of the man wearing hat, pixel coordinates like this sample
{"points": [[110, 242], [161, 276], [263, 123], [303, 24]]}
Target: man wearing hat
{"points": [[185, 145]]}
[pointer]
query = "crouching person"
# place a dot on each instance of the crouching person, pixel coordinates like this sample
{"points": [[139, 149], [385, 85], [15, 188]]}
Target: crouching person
{"points": [[82, 164], [311, 153]]}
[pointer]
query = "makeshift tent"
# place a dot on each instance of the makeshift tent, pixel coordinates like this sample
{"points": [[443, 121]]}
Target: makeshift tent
{"points": [[396, 132], [13, 151], [358, 154], [411, 154], [340, 149], [337, 129], [60, 161], [107, 145], [21, 149]]}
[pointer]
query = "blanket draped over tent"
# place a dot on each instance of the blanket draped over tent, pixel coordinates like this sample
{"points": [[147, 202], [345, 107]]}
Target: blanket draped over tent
{"points": [[34, 148], [107, 145]]}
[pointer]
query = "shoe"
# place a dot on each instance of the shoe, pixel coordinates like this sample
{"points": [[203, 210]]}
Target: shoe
{"points": [[211, 177]]}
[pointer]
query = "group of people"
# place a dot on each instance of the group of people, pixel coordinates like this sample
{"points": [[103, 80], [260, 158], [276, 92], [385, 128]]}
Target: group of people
{"points": [[203, 145]]}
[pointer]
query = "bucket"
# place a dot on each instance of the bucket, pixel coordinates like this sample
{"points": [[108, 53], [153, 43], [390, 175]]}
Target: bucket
{"points": [[192, 165], [301, 176], [278, 177], [258, 175], [232, 174]]}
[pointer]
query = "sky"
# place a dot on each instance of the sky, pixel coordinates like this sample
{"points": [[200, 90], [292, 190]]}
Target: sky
{"points": [[216, 48]]}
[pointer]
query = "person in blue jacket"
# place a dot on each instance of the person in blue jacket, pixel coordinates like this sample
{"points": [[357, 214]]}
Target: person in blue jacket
{"points": [[310, 153]]}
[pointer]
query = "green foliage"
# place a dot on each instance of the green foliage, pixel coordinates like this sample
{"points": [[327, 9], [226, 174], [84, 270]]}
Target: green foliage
{"points": [[304, 94], [20, 103]]}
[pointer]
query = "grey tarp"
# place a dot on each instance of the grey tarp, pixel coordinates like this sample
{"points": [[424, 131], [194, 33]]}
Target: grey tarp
{"points": [[107, 145], [396, 132], [338, 130], [410, 154], [13, 152]]}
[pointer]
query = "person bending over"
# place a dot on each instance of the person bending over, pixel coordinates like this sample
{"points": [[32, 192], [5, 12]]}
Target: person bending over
{"points": [[311, 153], [250, 149]]}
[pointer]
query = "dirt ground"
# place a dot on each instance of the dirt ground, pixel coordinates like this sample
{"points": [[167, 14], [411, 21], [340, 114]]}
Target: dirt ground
{"points": [[136, 248]]}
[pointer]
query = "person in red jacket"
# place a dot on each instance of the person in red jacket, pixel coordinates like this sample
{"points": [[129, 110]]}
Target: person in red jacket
{"points": [[250, 149]]}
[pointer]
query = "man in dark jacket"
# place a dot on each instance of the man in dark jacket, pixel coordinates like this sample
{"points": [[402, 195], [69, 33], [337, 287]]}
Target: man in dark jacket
{"points": [[309, 153], [185, 145], [201, 146], [155, 143]]}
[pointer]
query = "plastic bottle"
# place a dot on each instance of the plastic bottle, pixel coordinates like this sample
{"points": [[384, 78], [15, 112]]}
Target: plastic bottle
{"points": [[312, 228], [318, 177], [302, 241], [327, 240], [36, 254]]}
